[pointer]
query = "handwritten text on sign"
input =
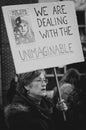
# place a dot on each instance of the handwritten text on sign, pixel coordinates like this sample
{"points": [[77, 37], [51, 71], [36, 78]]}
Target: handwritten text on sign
{"points": [[60, 19], [43, 33]]}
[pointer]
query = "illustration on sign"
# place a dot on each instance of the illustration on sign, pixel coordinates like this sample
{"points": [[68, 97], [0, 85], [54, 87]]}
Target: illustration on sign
{"points": [[22, 28]]}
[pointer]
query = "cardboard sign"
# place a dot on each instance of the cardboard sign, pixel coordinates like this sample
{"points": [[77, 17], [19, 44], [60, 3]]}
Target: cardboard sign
{"points": [[43, 35]]}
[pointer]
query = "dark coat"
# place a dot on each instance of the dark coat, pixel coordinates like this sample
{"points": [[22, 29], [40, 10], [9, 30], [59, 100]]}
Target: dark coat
{"points": [[2, 119], [24, 114]]}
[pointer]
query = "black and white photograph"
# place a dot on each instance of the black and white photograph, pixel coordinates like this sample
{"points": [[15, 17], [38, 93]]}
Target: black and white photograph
{"points": [[43, 65]]}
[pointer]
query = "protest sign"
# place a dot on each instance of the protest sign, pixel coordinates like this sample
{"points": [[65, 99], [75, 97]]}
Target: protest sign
{"points": [[43, 35]]}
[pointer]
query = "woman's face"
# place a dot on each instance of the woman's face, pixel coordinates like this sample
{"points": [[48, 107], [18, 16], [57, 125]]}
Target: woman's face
{"points": [[37, 87], [23, 28]]}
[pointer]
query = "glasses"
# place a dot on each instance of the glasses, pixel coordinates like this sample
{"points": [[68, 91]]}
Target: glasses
{"points": [[42, 80]]}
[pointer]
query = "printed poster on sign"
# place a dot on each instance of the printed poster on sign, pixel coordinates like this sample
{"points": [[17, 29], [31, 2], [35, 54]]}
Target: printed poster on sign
{"points": [[43, 35]]}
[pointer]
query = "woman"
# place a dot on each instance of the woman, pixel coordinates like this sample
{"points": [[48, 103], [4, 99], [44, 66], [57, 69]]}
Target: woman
{"points": [[30, 109], [23, 31]]}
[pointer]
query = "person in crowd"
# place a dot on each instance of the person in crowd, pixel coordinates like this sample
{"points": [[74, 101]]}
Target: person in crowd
{"points": [[69, 82], [71, 91], [12, 89], [30, 108]]}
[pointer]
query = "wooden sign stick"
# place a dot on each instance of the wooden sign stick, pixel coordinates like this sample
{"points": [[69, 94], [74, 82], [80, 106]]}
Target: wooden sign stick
{"points": [[60, 98]]}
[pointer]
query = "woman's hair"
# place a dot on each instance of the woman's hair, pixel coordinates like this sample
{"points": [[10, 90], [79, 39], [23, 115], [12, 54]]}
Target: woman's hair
{"points": [[26, 78], [19, 20], [72, 76]]}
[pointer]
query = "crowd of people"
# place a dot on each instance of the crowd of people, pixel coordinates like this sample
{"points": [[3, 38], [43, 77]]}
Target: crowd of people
{"points": [[31, 106], [72, 87]]}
